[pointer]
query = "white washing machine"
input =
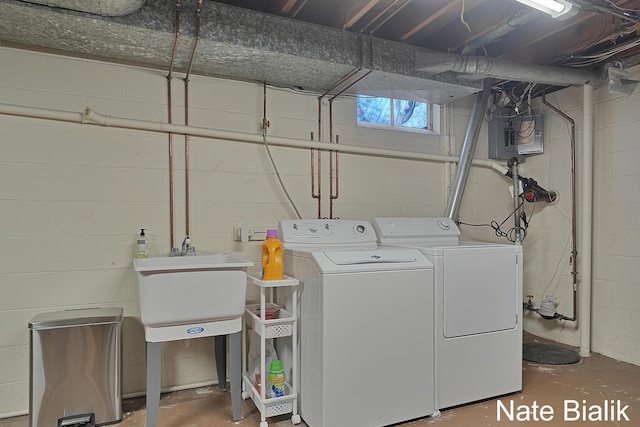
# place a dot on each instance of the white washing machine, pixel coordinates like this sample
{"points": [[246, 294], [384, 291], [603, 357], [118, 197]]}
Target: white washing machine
{"points": [[478, 306], [366, 325]]}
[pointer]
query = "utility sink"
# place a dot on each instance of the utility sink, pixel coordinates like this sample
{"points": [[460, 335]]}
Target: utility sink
{"points": [[190, 289]]}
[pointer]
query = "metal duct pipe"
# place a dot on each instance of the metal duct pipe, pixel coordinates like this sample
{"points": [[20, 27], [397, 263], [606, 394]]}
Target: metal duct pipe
{"points": [[468, 148], [482, 66], [97, 7]]}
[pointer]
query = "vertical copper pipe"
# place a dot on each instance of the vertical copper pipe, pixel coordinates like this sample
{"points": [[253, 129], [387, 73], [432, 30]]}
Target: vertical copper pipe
{"points": [[334, 174], [186, 156], [186, 120], [318, 161], [333, 164], [337, 174], [574, 220], [170, 121], [313, 170], [330, 159], [169, 113]]}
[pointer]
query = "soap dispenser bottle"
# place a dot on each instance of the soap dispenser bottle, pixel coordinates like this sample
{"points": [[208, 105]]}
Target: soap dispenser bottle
{"points": [[142, 248]]}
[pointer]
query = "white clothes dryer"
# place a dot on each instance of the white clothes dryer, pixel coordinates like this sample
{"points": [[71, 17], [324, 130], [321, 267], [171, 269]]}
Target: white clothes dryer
{"points": [[365, 325], [478, 306]]}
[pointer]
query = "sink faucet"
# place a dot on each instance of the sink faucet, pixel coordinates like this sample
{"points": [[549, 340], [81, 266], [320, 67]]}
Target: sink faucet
{"points": [[187, 249]]}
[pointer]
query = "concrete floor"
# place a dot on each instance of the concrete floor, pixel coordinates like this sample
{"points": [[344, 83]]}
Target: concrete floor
{"points": [[594, 383]]}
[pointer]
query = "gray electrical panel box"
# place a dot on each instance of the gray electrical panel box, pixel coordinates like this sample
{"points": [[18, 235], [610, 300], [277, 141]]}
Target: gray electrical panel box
{"points": [[514, 135]]}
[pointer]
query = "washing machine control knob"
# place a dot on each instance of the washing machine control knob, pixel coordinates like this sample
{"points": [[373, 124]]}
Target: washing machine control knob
{"points": [[360, 229], [444, 224]]}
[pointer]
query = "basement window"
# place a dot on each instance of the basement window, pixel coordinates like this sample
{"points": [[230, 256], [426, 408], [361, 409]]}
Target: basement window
{"points": [[398, 114]]}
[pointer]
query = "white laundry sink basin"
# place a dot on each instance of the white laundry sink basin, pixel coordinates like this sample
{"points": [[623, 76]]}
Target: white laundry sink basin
{"points": [[190, 289]]}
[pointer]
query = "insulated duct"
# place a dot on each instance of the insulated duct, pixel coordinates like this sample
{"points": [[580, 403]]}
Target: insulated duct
{"points": [[247, 45], [96, 7], [435, 63]]}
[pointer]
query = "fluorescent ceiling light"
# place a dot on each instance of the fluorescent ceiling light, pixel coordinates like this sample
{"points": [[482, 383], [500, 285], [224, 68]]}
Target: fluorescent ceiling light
{"points": [[560, 9]]}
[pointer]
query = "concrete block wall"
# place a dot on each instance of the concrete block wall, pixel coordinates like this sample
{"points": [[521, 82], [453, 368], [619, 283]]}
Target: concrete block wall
{"points": [[75, 196], [615, 317]]}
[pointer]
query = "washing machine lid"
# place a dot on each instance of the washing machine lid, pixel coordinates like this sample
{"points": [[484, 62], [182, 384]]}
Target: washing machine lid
{"points": [[367, 260]]}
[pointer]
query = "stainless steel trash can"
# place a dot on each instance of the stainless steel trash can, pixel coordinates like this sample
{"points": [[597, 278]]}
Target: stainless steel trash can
{"points": [[75, 368]]}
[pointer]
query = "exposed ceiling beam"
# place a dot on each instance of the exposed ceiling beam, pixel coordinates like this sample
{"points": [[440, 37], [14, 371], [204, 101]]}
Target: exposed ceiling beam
{"points": [[360, 13], [287, 6], [427, 21]]}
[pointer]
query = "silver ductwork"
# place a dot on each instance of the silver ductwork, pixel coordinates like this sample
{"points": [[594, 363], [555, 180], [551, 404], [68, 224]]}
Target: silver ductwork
{"points": [[468, 149], [253, 46], [96, 7], [437, 63]]}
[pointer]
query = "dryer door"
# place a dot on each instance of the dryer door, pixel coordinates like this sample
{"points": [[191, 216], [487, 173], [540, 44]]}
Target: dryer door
{"points": [[480, 290]]}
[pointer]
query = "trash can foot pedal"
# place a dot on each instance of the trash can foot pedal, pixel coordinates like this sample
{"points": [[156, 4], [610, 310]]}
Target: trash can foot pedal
{"points": [[84, 420]]}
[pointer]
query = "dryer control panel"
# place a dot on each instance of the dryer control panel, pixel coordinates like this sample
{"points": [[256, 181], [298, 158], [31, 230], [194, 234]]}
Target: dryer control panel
{"points": [[437, 230], [326, 232]]}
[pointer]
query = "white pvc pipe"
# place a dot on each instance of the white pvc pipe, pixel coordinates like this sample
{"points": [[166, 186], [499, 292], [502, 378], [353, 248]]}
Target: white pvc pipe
{"points": [[90, 117], [586, 226]]}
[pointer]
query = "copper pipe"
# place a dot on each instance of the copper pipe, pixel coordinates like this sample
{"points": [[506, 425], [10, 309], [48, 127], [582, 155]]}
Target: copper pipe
{"points": [[186, 119], [313, 171], [333, 153], [318, 161], [340, 82], [331, 159], [574, 233], [333, 165], [186, 155], [170, 121], [335, 170]]}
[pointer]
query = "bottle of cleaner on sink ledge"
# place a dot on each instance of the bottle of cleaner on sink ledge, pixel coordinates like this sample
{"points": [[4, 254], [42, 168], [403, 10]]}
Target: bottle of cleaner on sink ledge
{"points": [[142, 248], [272, 267]]}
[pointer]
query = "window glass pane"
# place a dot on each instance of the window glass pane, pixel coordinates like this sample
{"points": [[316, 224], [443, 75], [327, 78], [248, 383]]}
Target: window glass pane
{"points": [[374, 110], [410, 114]]}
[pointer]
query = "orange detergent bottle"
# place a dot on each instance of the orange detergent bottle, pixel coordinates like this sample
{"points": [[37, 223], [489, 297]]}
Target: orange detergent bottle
{"points": [[272, 268]]}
